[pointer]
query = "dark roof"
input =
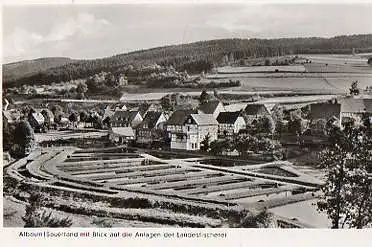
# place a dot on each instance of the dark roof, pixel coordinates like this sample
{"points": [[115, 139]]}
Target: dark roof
{"points": [[354, 105], [125, 116], [150, 120], [209, 108], [228, 117], [256, 109], [179, 117], [325, 111]]}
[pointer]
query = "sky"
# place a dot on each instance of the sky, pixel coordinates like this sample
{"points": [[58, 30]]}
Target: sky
{"points": [[94, 31]]}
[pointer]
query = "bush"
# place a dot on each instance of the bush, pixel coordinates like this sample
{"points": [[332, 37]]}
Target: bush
{"points": [[35, 216]]}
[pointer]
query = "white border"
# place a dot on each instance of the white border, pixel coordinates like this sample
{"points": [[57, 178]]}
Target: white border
{"points": [[235, 237]]}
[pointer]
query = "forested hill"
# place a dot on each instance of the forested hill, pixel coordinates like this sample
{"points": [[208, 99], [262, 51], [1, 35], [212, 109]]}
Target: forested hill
{"points": [[193, 57], [13, 71]]}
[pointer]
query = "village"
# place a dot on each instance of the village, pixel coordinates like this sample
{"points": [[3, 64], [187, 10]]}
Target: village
{"points": [[183, 145], [204, 123]]}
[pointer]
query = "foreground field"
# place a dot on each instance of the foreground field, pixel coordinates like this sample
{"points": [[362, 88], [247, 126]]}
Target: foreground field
{"points": [[178, 191]]}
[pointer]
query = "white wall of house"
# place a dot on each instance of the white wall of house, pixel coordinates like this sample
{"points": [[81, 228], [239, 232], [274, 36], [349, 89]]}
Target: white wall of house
{"points": [[161, 121], [232, 128]]}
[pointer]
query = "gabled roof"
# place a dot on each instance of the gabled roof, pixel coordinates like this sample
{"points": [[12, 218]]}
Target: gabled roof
{"points": [[325, 111], [354, 105], [256, 109], [123, 131], [179, 117], [228, 117], [120, 106], [204, 119], [39, 118], [150, 120], [124, 116], [210, 107]]}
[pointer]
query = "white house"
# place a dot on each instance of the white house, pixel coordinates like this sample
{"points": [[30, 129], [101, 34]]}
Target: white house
{"points": [[121, 135], [177, 120], [194, 131], [230, 123], [212, 107]]}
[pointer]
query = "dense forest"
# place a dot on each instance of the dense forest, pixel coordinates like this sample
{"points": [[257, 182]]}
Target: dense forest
{"points": [[193, 58]]}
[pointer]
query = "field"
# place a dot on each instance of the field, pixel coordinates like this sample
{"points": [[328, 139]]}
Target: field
{"points": [[188, 191], [326, 74]]}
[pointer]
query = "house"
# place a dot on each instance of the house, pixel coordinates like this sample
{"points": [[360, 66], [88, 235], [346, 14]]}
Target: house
{"points": [[326, 111], [177, 120], [36, 121], [48, 117], [120, 106], [253, 112], [126, 119], [121, 135], [152, 128], [230, 123], [354, 109], [145, 108], [212, 107], [195, 129]]}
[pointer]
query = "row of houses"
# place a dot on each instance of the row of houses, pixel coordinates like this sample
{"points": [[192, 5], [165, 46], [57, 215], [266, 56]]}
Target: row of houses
{"points": [[183, 129], [187, 129]]}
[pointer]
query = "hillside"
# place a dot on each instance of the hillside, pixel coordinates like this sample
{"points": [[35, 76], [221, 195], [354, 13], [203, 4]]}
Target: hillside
{"points": [[193, 57], [16, 70]]}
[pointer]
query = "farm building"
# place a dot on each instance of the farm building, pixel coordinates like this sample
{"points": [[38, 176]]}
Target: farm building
{"points": [[126, 119], [326, 111], [253, 112], [230, 123], [212, 107], [353, 109], [151, 128]]}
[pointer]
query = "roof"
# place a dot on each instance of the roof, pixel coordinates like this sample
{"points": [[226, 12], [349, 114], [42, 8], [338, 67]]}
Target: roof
{"points": [[150, 120], [204, 119], [256, 109], [228, 117], [210, 107], [235, 107], [123, 131], [354, 105], [121, 106], [179, 117], [39, 118], [325, 111], [125, 116]]}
